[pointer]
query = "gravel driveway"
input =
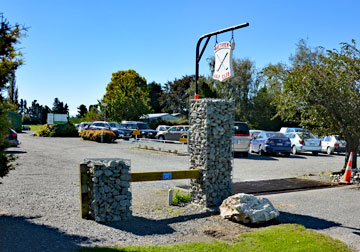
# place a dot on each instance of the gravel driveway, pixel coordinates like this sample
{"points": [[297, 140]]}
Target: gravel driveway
{"points": [[40, 208]]}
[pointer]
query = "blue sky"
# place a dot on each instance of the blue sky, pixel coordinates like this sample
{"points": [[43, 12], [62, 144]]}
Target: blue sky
{"points": [[73, 47]]}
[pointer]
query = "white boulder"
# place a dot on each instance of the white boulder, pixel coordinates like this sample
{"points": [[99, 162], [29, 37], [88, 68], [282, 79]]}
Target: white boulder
{"points": [[247, 208]]}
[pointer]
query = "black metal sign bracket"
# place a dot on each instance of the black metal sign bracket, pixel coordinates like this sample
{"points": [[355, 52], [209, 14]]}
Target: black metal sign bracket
{"points": [[198, 56]]}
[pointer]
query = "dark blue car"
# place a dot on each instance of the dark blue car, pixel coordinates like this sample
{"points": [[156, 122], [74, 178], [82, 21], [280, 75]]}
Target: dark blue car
{"points": [[271, 142]]}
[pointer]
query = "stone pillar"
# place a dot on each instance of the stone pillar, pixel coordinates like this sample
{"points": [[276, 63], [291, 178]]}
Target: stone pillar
{"points": [[109, 189], [210, 148]]}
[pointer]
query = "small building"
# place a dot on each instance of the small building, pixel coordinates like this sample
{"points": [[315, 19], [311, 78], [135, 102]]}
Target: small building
{"points": [[158, 116]]}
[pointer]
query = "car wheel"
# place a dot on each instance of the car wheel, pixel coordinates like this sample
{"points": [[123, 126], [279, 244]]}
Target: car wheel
{"points": [[161, 138], [261, 152], [315, 153], [293, 150], [328, 151]]}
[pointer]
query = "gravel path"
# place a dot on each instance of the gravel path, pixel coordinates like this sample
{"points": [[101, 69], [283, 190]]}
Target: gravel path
{"points": [[40, 207]]}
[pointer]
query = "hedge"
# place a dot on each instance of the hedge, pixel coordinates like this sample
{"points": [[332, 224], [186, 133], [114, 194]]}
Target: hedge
{"points": [[95, 135]]}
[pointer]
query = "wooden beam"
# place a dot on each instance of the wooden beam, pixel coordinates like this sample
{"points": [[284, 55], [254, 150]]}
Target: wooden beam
{"points": [[164, 175], [84, 195]]}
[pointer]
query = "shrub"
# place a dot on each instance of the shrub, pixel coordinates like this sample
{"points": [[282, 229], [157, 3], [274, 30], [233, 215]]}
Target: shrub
{"points": [[95, 135], [180, 198], [58, 130]]}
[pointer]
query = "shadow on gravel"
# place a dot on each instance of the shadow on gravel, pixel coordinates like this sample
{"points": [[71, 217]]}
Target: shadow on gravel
{"points": [[307, 221], [16, 152], [18, 234], [142, 226]]}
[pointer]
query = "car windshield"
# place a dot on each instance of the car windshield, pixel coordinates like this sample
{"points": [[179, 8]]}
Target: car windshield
{"points": [[143, 126], [113, 125], [275, 135], [121, 126]]}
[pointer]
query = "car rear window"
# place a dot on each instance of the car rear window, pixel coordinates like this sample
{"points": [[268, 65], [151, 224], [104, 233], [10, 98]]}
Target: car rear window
{"points": [[241, 129], [275, 135], [143, 126]]}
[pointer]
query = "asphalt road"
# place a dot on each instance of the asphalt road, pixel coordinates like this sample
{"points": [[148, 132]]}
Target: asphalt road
{"points": [[44, 189]]}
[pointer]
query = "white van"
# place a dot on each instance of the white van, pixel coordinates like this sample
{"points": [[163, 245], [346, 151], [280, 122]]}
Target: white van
{"points": [[241, 138]]}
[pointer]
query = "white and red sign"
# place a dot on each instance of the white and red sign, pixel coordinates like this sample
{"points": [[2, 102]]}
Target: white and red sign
{"points": [[223, 55]]}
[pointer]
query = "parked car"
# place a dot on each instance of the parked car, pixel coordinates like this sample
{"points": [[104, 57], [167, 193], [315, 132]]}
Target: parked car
{"points": [[241, 138], [287, 130], [99, 125], [142, 128], [304, 141], [121, 131], [12, 138], [254, 133], [162, 128], [331, 144], [173, 133], [83, 126], [271, 142]]}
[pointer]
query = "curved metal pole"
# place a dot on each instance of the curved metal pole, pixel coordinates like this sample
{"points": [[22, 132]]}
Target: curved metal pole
{"points": [[198, 57]]}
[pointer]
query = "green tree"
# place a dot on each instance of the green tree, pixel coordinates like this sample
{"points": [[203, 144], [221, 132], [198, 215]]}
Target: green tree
{"points": [[82, 110], [155, 92], [59, 107], [242, 87], [10, 60], [127, 97], [93, 114], [177, 93], [324, 95]]}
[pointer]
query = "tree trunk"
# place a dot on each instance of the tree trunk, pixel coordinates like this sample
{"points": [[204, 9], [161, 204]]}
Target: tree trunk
{"points": [[352, 145]]}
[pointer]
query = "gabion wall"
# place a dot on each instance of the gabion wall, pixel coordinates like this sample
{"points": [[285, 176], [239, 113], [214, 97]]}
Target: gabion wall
{"points": [[210, 147], [109, 189]]}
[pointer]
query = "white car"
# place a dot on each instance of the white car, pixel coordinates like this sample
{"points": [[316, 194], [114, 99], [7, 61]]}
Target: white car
{"points": [[331, 144], [304, 142], [241, 138], [162, 128]]}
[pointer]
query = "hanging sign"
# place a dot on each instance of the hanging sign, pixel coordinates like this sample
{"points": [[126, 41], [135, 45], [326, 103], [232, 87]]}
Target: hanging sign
{"points": [[223, 56]]}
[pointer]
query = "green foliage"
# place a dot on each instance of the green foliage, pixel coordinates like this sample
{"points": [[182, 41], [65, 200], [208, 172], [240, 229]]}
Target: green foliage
{"points": [[287, 237], [37, 113], [322, 94], [93, 115], [58, 130], [10, 61], [155, 92], [5, 160], [82, 110], [15, 121], [59, 107], [176, 95], [127, 97], [95, 135], [180, 198], [242, 87]]}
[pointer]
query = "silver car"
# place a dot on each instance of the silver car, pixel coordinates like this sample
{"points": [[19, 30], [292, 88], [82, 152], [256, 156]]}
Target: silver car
{"points": [[304, 142], [331, 144], [174, 133], [241, 138]]}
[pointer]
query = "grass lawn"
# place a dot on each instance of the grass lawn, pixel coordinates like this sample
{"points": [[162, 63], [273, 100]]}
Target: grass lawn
{"points": [[285, 237], [35, 127]]}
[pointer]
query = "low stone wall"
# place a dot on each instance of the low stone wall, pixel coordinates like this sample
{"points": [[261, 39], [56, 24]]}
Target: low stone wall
{"points": [[107, 188], [210, 147]]}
